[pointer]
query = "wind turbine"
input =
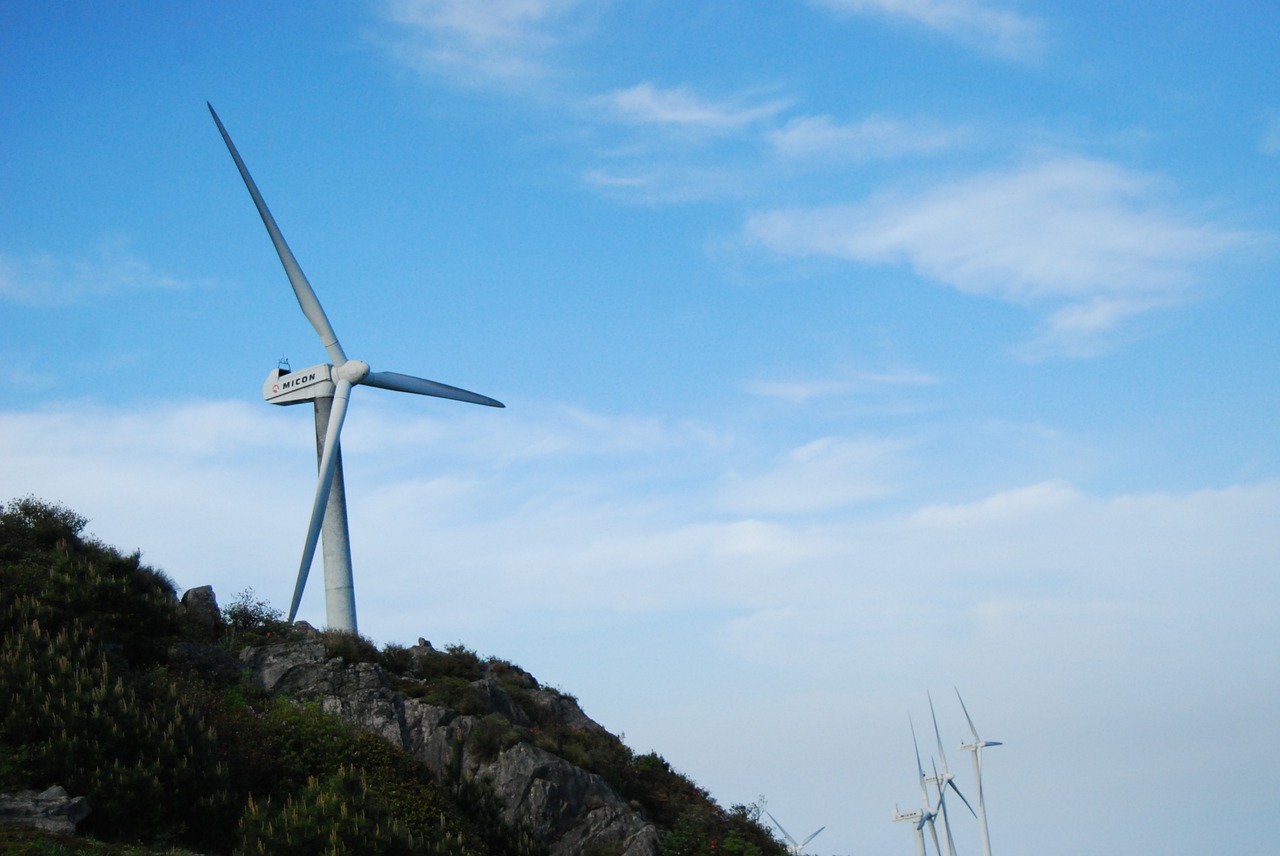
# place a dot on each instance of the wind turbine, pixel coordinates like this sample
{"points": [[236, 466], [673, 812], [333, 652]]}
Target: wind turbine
{"points": [[976, 748], [942, 781], [329, 387], [795, 849], [923, 815]]}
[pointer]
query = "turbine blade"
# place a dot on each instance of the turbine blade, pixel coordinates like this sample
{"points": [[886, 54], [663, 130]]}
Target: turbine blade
{"points": [[301, 288], [813, 836], [328, 463], [940, 782], [422, 386], [937, 734], [946, 827], [933, 830], [924, 793], [785, 834], [956, 788], [976, 738]]}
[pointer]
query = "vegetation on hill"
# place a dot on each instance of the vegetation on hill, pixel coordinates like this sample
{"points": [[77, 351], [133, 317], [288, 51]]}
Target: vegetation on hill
{"points": [[172, 753]]}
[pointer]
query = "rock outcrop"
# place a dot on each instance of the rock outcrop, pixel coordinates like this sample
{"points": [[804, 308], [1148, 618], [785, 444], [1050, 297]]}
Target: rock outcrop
{"points": [[200, 606], [569, 809], [52, 810]]}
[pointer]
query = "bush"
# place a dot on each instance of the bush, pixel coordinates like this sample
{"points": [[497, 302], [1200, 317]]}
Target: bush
{"points": [[351, 647], [253, 621], [491, 735]]}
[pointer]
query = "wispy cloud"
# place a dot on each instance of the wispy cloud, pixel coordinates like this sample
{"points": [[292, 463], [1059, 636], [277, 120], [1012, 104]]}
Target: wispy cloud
{"points": [[47, 280], [821, 475], [876, 137], [798, 391], [1088, 238], [647, 104], [1270, 140], [502, 41], [975, 23], [667, 178]]}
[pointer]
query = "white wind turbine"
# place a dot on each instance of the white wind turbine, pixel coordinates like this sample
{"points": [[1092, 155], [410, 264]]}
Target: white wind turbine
{"points": [[328, 386], [923, 815], [942, 781], [793, 847], [976, 748]]}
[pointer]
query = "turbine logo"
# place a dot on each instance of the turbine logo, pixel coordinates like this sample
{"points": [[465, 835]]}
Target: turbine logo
{"points": [[294, 382]]}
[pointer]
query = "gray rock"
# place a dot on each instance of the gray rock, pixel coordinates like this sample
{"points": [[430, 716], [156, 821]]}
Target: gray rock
{"points": [[201, 606], [497, 700], [566, 807], [570, 809], [52, 810]]}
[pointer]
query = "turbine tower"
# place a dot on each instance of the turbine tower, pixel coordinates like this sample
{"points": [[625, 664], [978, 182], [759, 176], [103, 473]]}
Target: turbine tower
{"points": [[976, 748], [794, 848], [329, 387]]}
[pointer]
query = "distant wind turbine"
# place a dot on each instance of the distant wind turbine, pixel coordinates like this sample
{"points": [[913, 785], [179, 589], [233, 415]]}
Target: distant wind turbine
{"points": [[795, 849], [328, 386], [976, 748], [924, 815], [942, 781]]}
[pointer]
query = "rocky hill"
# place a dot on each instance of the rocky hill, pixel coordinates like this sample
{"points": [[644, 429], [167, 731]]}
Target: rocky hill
{"points": [[229, 730]]}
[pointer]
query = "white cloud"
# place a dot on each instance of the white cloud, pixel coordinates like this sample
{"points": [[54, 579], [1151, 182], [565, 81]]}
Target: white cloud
{"points": [[507, 41], [647, 104], [876, 137], [1086, 237], [975, 23], [46, 280]]}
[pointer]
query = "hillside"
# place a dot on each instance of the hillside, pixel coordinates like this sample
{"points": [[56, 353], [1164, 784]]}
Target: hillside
{"points": [[230, 731]]}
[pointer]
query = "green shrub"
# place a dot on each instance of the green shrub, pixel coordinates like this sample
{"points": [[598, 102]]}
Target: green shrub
{"points": [[334, 816], [396, 659], [351, 647], [141, 752], [491, 735], [132, 610]]}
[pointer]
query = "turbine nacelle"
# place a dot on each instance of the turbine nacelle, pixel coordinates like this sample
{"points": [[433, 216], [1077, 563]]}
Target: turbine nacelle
{"points": [[295, 387]]}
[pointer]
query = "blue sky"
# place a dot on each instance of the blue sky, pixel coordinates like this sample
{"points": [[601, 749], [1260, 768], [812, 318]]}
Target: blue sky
{"points": [[852, 349]]}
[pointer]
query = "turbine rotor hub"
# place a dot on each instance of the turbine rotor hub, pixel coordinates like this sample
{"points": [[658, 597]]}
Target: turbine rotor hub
{"points": [[352, 371]]}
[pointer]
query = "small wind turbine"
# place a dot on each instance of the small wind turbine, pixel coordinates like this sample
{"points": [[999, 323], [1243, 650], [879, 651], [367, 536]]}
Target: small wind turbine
{"points": [[976, 748], [328, 386], [795, 849], [923, 815], [942, 781]]}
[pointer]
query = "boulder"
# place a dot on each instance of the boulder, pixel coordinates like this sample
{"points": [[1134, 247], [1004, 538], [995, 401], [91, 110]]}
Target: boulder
{"points": [[201, 606], [51, 810]]}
